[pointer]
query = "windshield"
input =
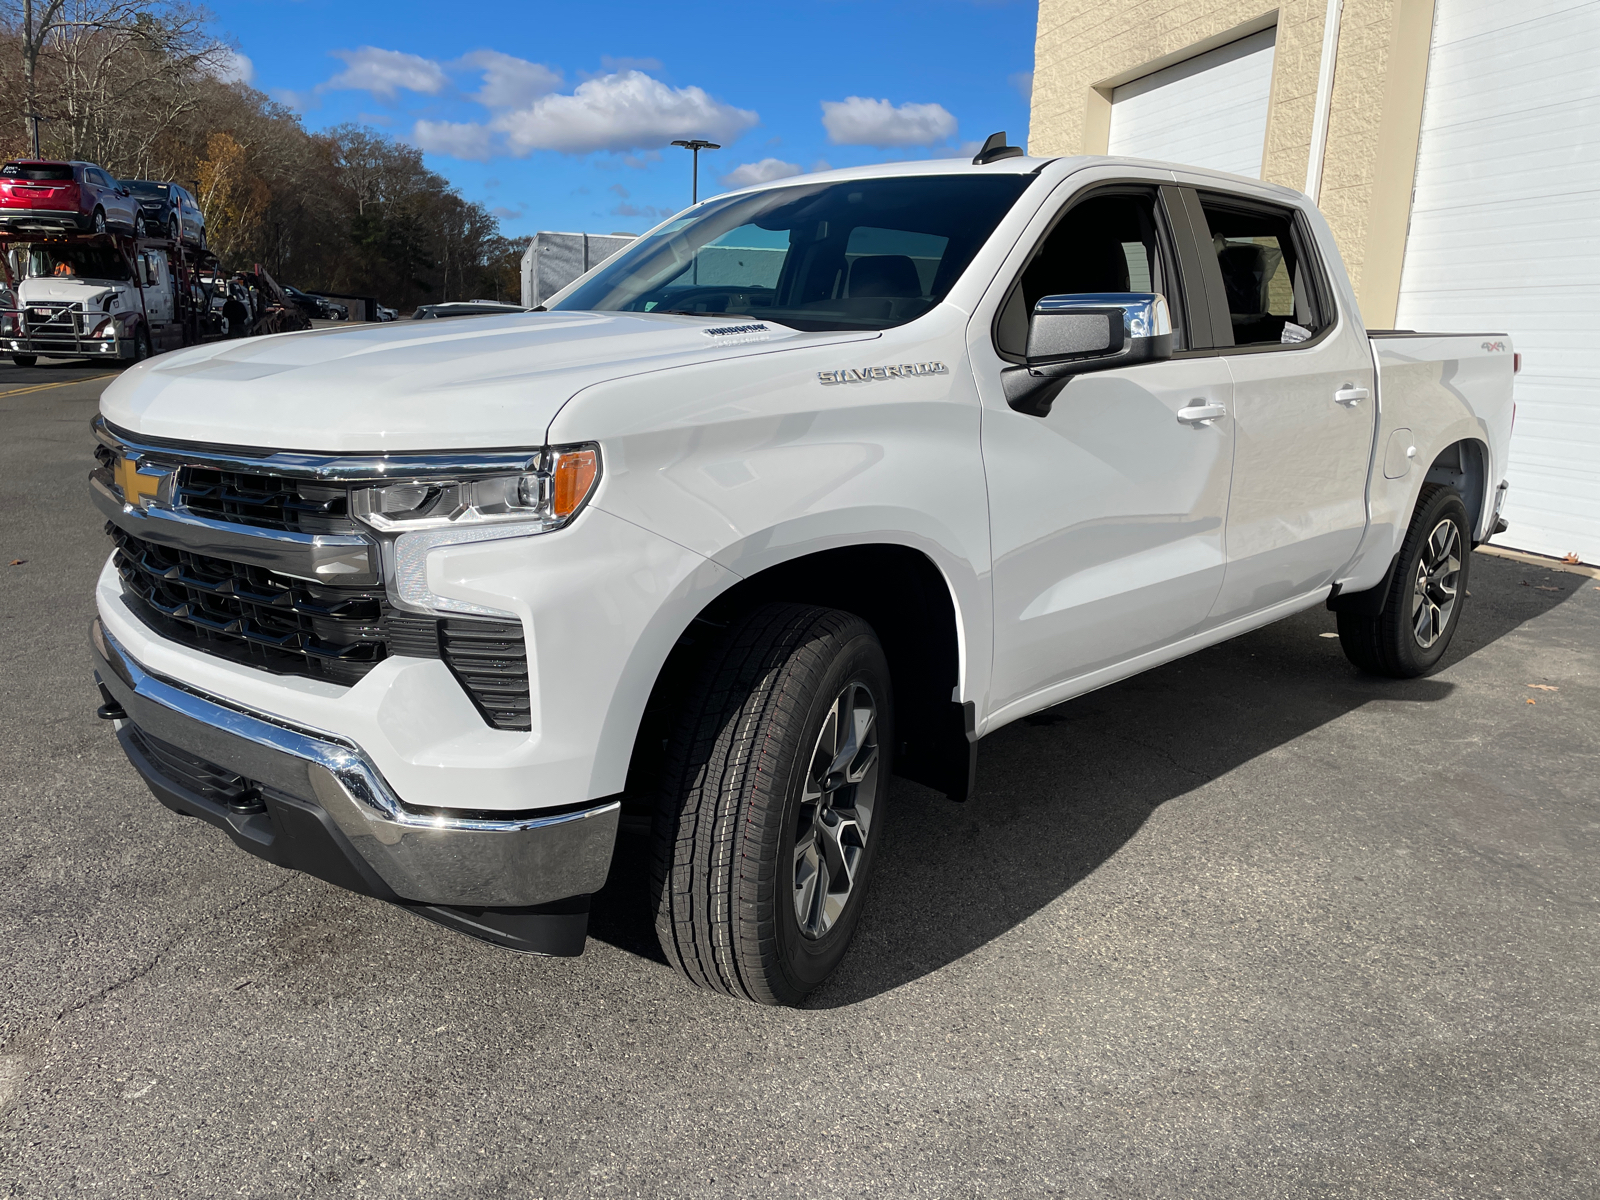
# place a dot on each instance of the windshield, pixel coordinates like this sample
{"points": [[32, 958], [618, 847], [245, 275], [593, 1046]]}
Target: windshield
{"points": [[143, 187], [39, 172], [76, 262], [862, 254]]}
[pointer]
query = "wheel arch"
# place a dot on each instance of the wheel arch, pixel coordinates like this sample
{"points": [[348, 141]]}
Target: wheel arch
{"points": [[912, 606], [1464, 465]]}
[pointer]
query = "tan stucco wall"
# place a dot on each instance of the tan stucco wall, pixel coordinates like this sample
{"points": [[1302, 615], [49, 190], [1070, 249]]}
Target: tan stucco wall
{"points": [[1085, 48]]}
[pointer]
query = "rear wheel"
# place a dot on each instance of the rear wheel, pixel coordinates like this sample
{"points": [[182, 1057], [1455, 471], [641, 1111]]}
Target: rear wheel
{"points": [[99, 221], [25, 360], [772, 808], [1423, 607]]}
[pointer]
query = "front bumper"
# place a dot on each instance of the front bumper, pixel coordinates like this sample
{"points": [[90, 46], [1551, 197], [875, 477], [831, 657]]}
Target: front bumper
{"points": [[313, 801]]}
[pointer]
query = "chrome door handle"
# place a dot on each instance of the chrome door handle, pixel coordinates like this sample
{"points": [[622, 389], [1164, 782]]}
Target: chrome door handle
{"points": [[1201, 414], [1350, 395]]}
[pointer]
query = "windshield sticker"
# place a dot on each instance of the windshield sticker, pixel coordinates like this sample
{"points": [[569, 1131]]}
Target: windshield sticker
{"points": [[868, 374]]}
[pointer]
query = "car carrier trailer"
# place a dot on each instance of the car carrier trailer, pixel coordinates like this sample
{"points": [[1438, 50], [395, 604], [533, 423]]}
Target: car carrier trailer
{"points": [[109, 296]]}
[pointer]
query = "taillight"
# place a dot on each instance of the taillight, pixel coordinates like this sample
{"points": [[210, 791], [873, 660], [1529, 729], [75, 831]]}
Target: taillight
{"points": [[1516, 361]]}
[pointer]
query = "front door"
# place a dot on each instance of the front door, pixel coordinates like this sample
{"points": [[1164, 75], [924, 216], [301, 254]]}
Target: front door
{"points": [[1107, 515], [1303, 406]]}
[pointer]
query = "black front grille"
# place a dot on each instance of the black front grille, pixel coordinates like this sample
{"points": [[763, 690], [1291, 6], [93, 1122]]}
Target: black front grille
{"points": [[249, 615], [265, 501], [491, 661], [292, 627]]}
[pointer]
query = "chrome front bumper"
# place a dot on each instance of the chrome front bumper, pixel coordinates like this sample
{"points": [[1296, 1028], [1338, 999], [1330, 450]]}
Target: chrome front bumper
{"points": [[310, 785]]}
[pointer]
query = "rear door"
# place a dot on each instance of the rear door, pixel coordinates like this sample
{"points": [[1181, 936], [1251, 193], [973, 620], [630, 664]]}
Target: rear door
{"points": [[1107, 514], [1303, 402]]}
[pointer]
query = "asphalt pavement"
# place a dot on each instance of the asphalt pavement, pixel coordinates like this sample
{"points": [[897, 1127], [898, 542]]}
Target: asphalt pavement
{"points": [[1250, 925]]}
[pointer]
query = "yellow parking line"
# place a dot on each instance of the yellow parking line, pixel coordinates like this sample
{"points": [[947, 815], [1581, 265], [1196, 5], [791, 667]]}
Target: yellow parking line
{"points": [[39, 387]]}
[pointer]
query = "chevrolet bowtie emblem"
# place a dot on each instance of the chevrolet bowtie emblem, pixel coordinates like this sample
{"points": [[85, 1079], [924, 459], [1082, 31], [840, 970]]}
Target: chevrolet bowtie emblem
{"points": [[135, 488]]}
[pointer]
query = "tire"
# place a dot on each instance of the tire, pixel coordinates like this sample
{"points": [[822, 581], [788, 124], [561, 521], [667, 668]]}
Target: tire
{"points": [[174, 231], [1426, 595], [745, 791], [138, 226], [25, 360], [99, 221], [141, 345]]}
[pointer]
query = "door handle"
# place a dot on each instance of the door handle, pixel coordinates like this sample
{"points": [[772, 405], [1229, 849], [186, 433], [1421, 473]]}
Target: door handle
{"points": [[1201, 414], [1350, 395]]}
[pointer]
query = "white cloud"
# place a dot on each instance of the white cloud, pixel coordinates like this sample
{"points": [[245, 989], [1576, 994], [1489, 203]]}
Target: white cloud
{"points": [[510, 82], [385, 72], [857, 121], [234, 67], [457, 139], [764, 171], [624, 111]]}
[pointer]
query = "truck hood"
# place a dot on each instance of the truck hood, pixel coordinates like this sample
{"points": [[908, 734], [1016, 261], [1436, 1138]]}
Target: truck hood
{"points": [[456, 383], [72, 290]]}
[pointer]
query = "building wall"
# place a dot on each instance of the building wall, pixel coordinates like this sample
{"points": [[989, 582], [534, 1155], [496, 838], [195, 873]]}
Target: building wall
{"points": [[1086, 48]]}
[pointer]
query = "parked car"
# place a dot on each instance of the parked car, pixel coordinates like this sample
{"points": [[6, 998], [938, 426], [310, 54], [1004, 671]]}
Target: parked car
{"points": [[388, 314], [168, 210], [335, 310], [312, 306], [465, 308], [988, 437], [36, 194]]}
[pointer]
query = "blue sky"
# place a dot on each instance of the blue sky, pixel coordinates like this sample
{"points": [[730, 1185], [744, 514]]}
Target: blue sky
{"points": [[559, 115]]}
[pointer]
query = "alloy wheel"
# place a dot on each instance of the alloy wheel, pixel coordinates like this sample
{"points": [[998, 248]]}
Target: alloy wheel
{"points": [[1433, 596], [835, 810]]}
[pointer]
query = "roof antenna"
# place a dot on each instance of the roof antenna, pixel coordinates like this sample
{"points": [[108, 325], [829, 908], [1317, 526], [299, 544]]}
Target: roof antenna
{"points": [[994, 149]]}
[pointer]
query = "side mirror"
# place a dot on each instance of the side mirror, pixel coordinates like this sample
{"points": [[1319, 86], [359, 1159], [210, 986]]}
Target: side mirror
{"points": [[1073, 335]]}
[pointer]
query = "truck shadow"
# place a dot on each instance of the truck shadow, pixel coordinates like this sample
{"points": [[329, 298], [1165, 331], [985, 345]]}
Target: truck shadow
{"points": [[1062, 791]]}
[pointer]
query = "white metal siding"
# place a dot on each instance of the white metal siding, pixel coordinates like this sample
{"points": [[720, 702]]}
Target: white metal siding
{"points": [[1505, 237], [1207, 111]]}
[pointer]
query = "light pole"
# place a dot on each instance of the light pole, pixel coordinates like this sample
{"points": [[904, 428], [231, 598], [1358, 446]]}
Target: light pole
{"points": [[696, 145]]}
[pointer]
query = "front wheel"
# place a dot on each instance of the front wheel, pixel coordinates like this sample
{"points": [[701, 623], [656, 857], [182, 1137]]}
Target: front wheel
{"points": [[141, 345], [25, 360], [99, 221], [1423, 607], [772, 808]]}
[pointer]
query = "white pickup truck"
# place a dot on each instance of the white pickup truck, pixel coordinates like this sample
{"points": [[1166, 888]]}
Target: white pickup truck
{"points": [[818, 481]]}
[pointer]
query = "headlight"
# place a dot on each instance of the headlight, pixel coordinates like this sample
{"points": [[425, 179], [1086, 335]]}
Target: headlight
{"points": [[419, 516]]}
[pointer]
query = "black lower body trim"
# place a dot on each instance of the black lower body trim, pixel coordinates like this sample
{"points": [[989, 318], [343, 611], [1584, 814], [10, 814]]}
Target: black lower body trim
{"points": [[290, 832]]}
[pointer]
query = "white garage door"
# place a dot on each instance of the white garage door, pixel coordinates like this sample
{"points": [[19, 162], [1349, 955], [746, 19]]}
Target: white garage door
{"points": [[1505, 236], [1208, 111]]}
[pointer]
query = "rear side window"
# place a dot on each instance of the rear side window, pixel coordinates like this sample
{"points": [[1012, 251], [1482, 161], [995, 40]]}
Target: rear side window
{"points": [[37, 172], [1271, 291]]}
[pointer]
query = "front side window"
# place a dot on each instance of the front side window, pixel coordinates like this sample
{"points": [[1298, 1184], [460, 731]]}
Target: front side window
{"points": [[1107, 243], [1271, 296], [862, 254]]}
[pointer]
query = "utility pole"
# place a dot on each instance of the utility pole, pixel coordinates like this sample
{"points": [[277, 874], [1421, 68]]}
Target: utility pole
{"points": [[696, 145], [34, 119]]}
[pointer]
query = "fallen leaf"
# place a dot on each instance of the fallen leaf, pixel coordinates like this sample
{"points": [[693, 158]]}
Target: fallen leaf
{"points": [[1531, 700], [16, 562], [1544, 687], [1542, 588], [1571, 558]]}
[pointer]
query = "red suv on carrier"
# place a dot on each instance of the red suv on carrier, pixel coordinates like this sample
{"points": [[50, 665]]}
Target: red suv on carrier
{"points": [[35, 194]]}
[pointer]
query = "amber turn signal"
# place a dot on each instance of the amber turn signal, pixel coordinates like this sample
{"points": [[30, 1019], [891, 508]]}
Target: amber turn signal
{"points": [[575, 472]]}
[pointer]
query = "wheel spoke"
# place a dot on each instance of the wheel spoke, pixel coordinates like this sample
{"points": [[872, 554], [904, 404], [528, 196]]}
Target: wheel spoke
{"points": [[835, 811]]}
